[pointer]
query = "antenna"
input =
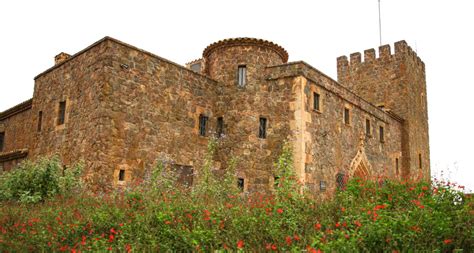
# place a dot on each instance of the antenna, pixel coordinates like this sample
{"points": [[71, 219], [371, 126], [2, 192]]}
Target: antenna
{"points": [[380, 26]]}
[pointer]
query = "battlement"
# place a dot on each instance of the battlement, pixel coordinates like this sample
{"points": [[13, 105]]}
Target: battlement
{"points": [[402, 50]]}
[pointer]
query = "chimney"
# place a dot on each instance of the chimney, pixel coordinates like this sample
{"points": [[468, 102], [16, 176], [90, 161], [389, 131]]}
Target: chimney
{"points": [[61, 58]]}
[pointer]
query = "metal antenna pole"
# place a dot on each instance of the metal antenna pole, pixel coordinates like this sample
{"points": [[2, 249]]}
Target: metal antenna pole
{"points": [[380, 26]]}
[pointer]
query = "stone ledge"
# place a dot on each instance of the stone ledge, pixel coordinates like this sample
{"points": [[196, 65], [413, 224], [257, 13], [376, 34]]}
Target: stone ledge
{"points": [[13, 155], [26, 105]]}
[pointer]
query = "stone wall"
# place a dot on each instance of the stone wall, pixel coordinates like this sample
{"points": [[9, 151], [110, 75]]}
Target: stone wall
{"points": [[396, 81]]}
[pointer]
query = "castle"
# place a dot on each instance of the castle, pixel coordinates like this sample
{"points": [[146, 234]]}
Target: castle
{"points": [[120, 109]]}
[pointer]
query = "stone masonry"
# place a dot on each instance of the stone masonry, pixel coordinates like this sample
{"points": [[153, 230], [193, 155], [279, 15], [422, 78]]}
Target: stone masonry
{"points": [[121, 109]]}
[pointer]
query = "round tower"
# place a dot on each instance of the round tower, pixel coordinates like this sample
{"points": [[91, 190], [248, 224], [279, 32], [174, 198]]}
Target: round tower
{"points": [[224, 58]]}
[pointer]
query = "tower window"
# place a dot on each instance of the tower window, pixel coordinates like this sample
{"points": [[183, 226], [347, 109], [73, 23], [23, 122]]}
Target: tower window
{"points": [[61, 112], [420, 162], [347, 116], [262, 130], [242, 75], [40, 120], [240, 184], [381, 133], [121, 175], [220, 127], [367, 127], [2, 140], [202, 125], [316, 98], [396, 166]]}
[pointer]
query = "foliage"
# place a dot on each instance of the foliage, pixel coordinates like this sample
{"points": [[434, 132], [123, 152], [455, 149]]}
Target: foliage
{"points": [[156, 215], [34, 182]]}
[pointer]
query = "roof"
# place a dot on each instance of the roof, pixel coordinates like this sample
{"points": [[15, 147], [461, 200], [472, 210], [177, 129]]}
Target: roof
{"points": [[26, 105], [246, 41]]}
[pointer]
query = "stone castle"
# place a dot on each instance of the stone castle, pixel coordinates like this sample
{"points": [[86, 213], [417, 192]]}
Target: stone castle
{"points": [[120, 109]]}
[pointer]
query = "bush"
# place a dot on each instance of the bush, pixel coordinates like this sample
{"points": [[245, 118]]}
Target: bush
{"points": [[33, 182]]}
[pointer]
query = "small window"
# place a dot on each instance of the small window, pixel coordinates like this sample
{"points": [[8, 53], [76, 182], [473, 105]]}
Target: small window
{"points": [[367, 127], [420, 165], [340, 181], [316, 101], [61, 112], [2, 141], [242, 75], [276, 181], [202, 125], [347, 116], [40, 120], [322, 186], [396, 166], [121, 175], [382, 137], [262, 130], [220, 127], [240, 184]]}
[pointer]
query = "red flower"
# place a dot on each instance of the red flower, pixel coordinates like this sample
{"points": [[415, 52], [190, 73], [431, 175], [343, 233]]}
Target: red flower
{"points": [[447, 241], [274, 247], [111, 238], [240, 244], [312, 250], [338, 224], [112, 231], [128, 247], [357, 223], [317, 226], [296, 237], [279, 210], [288, 240]]}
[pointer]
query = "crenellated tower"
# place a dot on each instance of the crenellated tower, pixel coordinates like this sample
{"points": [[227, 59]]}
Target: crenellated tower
{"points": [[394, 82]]}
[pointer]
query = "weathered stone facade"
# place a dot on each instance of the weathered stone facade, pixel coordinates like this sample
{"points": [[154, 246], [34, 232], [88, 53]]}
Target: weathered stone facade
{"points": [[124, 108]]}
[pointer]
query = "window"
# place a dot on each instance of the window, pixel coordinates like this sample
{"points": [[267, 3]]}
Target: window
{"points": [[202, 125], [382, 138], [40, 120], [396, 166], [419, 161], [276, 180], [2, 140], [322, 186], [347, 117], [242, 75], [340, 181], [196, 67], [184, 174], [262, 130], [61, 112], [121, 175], [220, 127], [316, 99], [240, 184], [367, 127]]}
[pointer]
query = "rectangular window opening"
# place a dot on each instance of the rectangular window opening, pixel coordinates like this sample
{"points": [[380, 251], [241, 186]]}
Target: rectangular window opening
{"points": [[2, 141], [61, 112], [322, 186], [121, 175], [367, 127], [420, 165], [220, 127], [396, 167], [382, 137], [240, 184], [276, 181], [262, 130], [202, 125], [242, 75], [316, 98], [347, 116], [40, 120]]}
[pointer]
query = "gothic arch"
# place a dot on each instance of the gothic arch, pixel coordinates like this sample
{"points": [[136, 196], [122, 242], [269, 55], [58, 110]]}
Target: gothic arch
{"points": [[360, 166]]}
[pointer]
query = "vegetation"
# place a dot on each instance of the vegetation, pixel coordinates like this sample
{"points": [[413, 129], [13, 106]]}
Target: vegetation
{"points": [[39, 213]]}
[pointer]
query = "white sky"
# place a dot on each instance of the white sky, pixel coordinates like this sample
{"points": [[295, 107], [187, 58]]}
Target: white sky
{"points": [[33, 32]]}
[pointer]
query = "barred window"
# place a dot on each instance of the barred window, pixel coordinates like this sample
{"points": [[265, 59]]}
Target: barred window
{"points": [[61, 112], [316, 98], [262, 130], [202, 125], [242, 75]]}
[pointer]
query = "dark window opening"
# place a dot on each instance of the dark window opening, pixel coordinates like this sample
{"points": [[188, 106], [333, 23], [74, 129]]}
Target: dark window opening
{"points": [[262, 130], [40, 120], [341, 181], [396, 166], [367, 127], [2, 141], [184, 174], [61, 112], [202, 125], [419, 161], [220, 127], [316, 101], [240, 184], [242, 75], [322, 186], [347, 117], [276, 181], [382, 137], [121, 175]]}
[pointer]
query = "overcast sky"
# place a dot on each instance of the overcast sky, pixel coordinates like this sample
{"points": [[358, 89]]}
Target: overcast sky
{"points": [[33, 32]]}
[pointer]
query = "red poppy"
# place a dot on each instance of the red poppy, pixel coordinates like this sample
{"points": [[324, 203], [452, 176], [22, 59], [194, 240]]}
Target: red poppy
{"points": [[240, 244], [288, 240], [317, 226], [447, 241], [279, 210], [296, 237], [128, 247]]}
